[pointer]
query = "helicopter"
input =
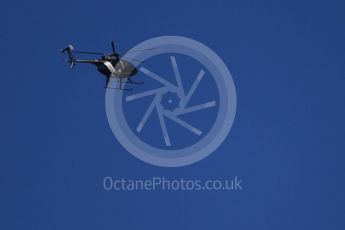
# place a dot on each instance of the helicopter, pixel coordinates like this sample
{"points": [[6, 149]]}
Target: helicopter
{"points": [[110, 65]]}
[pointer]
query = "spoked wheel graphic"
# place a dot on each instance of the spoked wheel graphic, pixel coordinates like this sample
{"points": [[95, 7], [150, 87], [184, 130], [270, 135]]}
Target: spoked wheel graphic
{"points": [[170, 102]]}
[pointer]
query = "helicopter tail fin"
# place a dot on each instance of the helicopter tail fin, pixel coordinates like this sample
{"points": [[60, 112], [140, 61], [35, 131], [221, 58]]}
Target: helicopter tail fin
{"points": [[71, 58]]}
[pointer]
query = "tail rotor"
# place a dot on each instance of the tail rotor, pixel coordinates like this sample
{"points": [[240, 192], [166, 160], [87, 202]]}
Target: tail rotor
{"points": [[71, 58]]}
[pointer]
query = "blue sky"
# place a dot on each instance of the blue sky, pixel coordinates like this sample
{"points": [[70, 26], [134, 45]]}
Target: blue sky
{"points": [[287, 59]]}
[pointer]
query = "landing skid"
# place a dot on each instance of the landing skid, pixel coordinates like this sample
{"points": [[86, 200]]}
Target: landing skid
{"points": [[129, 81], [124, 89], [133, 82], [116, 88]]}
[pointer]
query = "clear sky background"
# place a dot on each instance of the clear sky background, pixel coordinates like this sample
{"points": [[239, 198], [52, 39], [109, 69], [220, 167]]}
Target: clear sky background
{"points": [[287, 59]]}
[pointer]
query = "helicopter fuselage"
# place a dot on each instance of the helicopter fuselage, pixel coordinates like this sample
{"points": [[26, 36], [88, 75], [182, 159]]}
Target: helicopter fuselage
{"points": [[116, 68]]}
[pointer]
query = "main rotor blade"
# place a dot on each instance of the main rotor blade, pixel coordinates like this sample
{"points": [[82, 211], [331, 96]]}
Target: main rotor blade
{"points": [[141, 50], [82, 52], [113, 46], [136, 60], [133, 59]]}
